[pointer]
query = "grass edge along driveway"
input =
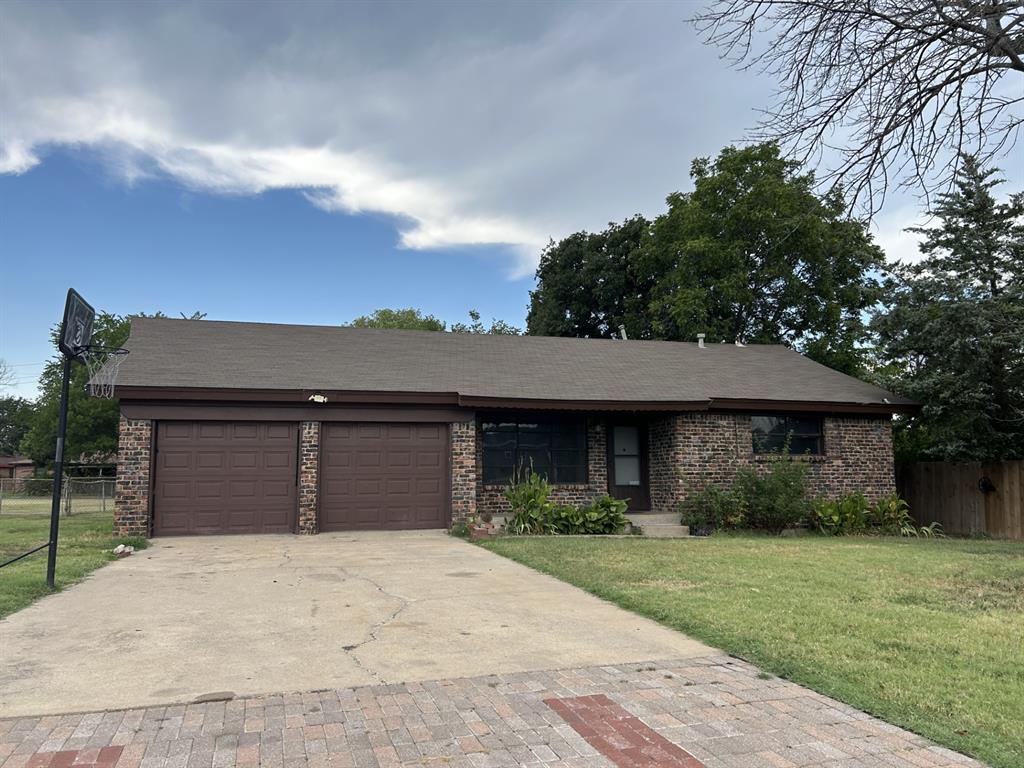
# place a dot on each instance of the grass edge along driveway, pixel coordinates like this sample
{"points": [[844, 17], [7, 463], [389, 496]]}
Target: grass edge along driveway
{"points": [[925, 634], [84, 544]]}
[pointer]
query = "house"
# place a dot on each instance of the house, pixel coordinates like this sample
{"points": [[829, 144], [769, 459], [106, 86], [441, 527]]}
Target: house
{"points": [[246, 428], [16, 467]]}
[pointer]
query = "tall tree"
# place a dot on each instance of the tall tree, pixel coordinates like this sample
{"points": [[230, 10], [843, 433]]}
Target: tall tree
{"points": [[752, 254], [92, 421], [409, 319], [951, 331], [894, 88], [15, 420]]}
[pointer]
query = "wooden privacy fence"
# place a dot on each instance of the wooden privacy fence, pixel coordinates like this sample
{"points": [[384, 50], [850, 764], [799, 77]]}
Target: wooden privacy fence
{"points": [[966, 499]]}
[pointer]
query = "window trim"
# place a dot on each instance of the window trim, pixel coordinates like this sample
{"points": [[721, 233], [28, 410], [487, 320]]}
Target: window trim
{"points": [[521, 418], [787, 417]]}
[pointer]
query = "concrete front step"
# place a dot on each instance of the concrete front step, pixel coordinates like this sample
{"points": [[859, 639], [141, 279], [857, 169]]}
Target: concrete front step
{"points": [[653, 518], [660, 531]]}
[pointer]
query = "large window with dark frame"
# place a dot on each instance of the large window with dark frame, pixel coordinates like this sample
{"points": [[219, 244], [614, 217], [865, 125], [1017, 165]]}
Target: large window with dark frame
{"points": [[556, 449], [800, 435]]}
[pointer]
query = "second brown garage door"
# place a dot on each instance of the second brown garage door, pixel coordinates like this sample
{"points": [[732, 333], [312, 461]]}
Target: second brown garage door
{"points": [[383, 476]]}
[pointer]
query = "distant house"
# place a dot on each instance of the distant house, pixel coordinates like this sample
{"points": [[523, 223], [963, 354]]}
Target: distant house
{"points": [[16, 467], [248, 427]]}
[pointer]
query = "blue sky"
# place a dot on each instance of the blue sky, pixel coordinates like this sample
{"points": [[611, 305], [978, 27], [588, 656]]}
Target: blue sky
{"points": [[309, 162], [271, 257]]}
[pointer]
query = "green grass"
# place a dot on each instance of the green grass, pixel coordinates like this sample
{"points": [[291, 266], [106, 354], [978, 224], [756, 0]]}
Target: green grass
{"points": [[926, 634], [84, 545]]}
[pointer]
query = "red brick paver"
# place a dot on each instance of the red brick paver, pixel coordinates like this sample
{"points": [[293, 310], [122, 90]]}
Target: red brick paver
{"points": [[620, 736], [715, 709]]}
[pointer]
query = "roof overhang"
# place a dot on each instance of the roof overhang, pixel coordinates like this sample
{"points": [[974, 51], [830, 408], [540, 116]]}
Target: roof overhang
{"points": [[378, 397]]}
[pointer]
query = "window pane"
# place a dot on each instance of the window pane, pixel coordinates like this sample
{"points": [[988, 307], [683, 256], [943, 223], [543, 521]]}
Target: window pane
{"points": [[560, 458], [805, 426], [768, 443], [499, 426], [769, 425], [497, 474], [499, 457], [571, 435], [534, 439], [799, 446], [499, 440], [538, 461], [627, 470], [570, 474], [627, 441]]}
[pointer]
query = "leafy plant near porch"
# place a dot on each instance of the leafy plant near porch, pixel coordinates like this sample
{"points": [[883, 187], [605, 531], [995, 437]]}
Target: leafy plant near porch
{"points": [[854, 514], [533, 512]]}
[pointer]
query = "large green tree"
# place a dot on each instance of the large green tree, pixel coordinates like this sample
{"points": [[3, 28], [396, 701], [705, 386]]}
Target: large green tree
{"points": [[752, 254], [92, 421], [15, 420], [589, 284], [950, 333]]}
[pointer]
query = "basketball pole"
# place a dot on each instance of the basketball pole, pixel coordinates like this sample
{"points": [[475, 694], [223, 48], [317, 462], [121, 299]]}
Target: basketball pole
{"points": [[58, 474]]}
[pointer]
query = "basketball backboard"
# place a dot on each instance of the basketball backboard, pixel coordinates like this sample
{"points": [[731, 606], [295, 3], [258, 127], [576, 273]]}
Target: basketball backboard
{"points": [[76, 329]]}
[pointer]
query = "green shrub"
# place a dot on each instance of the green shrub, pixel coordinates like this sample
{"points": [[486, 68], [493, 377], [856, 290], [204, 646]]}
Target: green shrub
{"points": [[530, 510], [714, 509], [846, 515], [605, 515], [891, 515], [777, 498], [853, 514]]}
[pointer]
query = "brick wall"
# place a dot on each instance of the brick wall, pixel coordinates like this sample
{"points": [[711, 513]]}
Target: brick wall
{"points": [[131, 494], [309, 464], [463, 468], [490, 498], [691, 451]]}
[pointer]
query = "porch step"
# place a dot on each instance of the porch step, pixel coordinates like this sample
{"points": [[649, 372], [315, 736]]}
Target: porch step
{"points": [[662, 531], [653, 518]]}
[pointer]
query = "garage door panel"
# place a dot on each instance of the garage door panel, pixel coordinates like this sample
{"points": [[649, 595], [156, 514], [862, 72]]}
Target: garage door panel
{"points": [[230, 477], [390, 476]]}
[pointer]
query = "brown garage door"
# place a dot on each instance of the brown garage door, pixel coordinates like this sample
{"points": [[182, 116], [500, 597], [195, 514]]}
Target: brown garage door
{"points": [[224, 477], [390, 476]]}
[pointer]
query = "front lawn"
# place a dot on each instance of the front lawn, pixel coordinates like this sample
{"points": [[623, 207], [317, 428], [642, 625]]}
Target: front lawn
{"points": [[926, 634], [84, 545]]}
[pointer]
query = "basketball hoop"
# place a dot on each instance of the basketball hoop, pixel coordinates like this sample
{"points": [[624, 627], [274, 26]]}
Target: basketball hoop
{"points": [[103, 364]]}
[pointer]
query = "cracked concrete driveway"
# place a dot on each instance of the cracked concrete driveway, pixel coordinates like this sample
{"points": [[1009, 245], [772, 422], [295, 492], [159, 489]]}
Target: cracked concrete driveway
{"points": [[265, 614]]}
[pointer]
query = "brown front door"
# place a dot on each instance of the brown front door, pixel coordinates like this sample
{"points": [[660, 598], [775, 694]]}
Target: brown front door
{"points": [[383, 476], [224, 477], [627, 465]]}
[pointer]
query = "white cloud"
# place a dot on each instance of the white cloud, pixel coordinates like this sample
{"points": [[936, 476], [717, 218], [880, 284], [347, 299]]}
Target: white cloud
{"points": [[890, 233], [470, 125]]}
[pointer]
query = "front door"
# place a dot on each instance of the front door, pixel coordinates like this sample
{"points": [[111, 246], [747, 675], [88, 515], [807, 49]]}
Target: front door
{"points": [[627, 465]]}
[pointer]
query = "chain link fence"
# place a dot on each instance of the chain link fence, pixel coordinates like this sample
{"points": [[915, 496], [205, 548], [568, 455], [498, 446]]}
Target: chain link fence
{"points": [[31, 495]]}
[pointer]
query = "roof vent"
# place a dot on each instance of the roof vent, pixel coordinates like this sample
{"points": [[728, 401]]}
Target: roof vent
{"points": [[700, 340], [622, 332], [739, 343]]}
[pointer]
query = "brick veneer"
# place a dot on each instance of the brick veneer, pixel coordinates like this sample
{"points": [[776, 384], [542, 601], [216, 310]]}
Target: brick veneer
{"points": [[309, 475], [691, 451], [131, 494], [463, 468], [491, 498]]}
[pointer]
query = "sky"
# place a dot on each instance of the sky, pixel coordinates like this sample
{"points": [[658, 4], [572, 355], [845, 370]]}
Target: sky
{"points": [[312, 162]]}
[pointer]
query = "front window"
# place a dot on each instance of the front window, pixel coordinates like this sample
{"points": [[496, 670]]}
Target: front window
{"points": [[556, 449], [800, 435]]}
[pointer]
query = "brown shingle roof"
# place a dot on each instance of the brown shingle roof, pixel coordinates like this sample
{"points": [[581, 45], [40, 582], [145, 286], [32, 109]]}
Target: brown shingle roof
{"points": [[213, 354]]}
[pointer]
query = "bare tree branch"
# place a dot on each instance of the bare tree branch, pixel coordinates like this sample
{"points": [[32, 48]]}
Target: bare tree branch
{"points": [[894, 90]]}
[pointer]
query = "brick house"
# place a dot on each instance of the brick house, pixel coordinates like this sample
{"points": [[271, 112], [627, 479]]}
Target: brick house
{"points": [[247, 428], [16, 467]]}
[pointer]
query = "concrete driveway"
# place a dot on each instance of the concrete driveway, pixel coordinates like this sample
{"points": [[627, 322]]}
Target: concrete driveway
{"points": [[240, 615]]}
